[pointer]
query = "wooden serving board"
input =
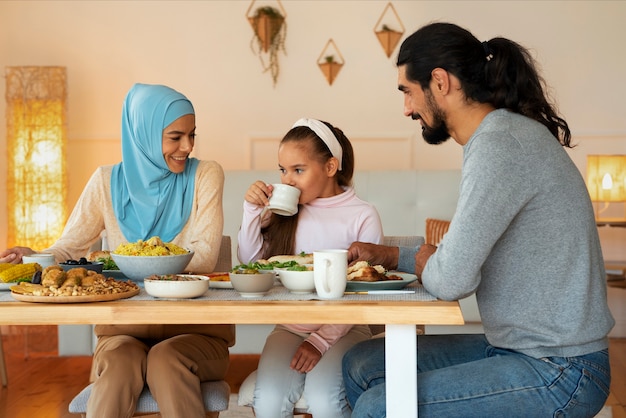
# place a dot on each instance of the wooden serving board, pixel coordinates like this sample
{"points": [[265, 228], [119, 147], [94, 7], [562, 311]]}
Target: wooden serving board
{"points": [[74, 299]]}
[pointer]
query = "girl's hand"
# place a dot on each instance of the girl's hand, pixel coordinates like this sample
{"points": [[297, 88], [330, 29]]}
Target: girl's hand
{"points": [[259, 193], [306, 358]]}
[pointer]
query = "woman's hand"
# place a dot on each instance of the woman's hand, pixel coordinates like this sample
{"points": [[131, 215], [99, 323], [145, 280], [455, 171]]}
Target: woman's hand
{"points": [[14, 255], [306, 358], [375, 254], [259, 193]]}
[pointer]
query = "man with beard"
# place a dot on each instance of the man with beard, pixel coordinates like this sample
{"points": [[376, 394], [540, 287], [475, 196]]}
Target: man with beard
{"points": [[523, 239]]}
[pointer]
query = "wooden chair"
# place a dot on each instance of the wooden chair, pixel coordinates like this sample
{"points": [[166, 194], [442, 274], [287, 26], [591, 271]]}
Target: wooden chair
{"points": [[246, 391], [216, 394], [435, 230], [225, 259]]}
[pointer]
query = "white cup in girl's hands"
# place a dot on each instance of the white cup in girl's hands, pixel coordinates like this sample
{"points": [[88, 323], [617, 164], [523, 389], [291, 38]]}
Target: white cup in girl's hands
{"points": [[43, 259], [284, 199], [330, 273]]}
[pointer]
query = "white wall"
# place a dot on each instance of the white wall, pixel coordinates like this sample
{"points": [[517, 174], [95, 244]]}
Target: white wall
{"points": [[202, 48]]}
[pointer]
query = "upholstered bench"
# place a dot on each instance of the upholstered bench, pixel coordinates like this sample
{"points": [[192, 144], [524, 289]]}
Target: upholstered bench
{"points": [[216, 395]]}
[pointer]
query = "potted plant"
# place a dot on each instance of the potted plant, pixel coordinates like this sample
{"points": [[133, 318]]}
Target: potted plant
{"points": [[388, 38], [327, 62], [270, 32]]}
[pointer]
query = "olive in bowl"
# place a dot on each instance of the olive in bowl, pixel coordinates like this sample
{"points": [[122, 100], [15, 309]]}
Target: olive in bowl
{"points": [[82, 262]]}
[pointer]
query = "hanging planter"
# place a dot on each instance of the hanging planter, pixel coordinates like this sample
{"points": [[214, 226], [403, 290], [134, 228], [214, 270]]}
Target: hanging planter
{"points": [[330, 61], [387, 36], [270, 32]]}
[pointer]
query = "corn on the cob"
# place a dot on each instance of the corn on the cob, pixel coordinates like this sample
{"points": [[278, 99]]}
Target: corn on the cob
{"points": [[6, 266], [19, 271]]}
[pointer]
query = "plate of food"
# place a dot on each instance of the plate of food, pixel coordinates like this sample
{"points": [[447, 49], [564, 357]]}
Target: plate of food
{"points": [[363, 277], [219, 280], [6, 286], [13, 274], [73, 286]]}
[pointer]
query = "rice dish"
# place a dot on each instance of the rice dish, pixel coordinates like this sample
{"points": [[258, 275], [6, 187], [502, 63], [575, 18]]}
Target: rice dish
{"points": [[152, 247]]}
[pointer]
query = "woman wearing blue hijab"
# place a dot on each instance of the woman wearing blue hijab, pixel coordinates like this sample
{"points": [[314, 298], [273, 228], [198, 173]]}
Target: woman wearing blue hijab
{"points": [[157, 190], [144, 211]]}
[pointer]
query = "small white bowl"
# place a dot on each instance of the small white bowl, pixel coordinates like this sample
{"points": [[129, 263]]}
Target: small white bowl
{"points": [[297, 281], [43, 259], [195, 286], [136, 267], [252, 285]]}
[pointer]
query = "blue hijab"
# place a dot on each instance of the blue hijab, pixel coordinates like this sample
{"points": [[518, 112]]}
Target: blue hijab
{"points": [[148, 199]]}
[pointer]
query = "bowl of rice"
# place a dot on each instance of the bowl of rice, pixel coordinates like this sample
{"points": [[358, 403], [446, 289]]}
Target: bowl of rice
{"points": [[141, 259]]}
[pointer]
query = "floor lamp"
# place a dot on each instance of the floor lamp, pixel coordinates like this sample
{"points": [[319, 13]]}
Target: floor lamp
{"points": [[36, 142]]}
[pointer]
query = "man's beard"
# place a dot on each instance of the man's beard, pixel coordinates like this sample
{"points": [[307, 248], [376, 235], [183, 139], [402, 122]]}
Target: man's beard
{"points": [[437, 133]]}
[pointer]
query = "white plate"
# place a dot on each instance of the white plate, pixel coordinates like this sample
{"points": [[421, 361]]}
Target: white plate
{"points": [[358, 286], [220, 284], [6, 286]]}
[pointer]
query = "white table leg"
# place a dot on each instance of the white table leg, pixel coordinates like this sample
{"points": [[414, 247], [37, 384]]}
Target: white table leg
{"points": [[401, 371]]}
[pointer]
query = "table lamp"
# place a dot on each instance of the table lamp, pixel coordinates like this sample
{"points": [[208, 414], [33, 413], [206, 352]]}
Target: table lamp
{"points": [[606, 182]]}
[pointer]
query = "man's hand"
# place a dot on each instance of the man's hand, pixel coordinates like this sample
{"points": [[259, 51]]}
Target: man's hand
{"points": [[422, 256], [375, 254], [306, 358]]}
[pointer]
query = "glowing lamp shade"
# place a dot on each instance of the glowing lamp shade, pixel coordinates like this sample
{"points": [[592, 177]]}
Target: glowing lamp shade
{"points": [[606, 178], [36, 142]]}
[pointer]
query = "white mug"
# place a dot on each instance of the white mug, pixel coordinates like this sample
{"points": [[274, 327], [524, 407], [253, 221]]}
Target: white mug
{"points": [[43, 259], [284, 199], [330, 273]]}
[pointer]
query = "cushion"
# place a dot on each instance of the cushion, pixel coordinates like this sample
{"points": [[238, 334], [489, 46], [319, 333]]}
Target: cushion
{"points": [[215, 393], [246, 395]]}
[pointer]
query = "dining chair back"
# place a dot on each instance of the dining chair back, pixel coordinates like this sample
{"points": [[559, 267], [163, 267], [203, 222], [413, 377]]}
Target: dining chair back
{"points": [[435, 230], [225, 258]]}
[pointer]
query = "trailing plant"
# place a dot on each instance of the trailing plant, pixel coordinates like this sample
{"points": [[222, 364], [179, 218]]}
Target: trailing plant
{"points": [[270, 33]]}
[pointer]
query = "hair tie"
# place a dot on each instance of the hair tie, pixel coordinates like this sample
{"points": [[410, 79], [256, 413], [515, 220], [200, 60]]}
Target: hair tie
{"points": [[488, 53], [325, 134]]}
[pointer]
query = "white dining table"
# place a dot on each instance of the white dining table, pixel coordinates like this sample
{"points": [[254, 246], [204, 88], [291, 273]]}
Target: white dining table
{"points": [[400, 314]]}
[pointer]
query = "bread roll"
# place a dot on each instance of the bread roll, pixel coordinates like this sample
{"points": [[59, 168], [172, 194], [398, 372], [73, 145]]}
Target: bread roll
{"points": [[300, 259], [96, 255]]}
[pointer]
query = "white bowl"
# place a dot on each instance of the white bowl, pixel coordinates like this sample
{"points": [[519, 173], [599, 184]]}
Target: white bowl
{"points": [[194, 286], [137, 267], [297, 281], [43, 259], [252, 285]]}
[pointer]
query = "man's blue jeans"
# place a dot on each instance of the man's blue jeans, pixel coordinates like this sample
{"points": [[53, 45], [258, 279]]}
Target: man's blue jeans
{"points": [[464, 376]]}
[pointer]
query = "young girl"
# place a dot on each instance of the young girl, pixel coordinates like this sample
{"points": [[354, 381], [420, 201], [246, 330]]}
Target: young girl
{"points": [[318, 159]]}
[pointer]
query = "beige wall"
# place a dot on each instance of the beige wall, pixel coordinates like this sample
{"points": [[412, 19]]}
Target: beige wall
{"points": [[202, 48]]}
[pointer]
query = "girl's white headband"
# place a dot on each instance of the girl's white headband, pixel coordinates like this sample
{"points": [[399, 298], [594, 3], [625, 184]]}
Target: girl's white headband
{"points": [[325, 134]]}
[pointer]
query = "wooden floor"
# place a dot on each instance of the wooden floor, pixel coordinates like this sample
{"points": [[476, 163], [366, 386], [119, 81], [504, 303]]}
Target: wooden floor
{"points": [[41, 385]]}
